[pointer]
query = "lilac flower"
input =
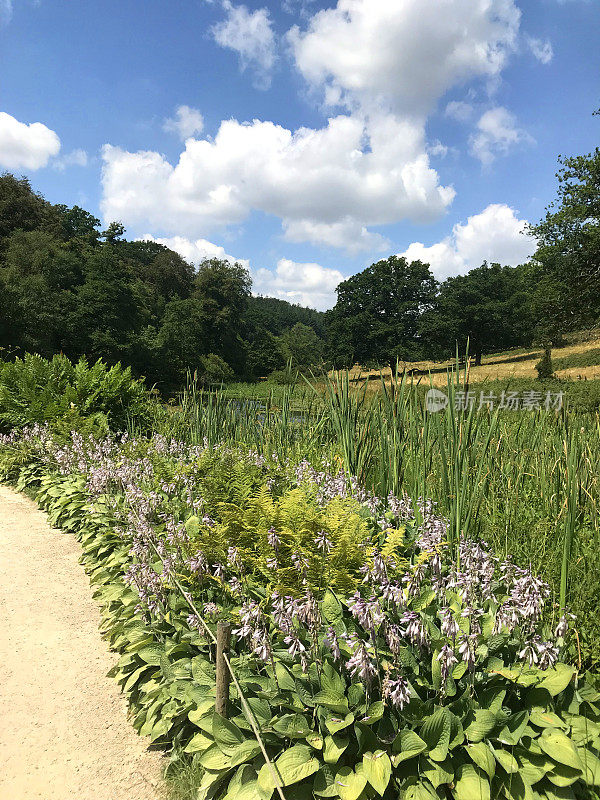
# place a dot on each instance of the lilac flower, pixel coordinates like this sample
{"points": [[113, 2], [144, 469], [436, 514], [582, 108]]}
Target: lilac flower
{"points": [[447, 660], [219, 571], [414, 628], [397, 691], [273, 539], [323, 543], [449, 625], [360, 664], [467, 647], [332, 642], [536, 652]]}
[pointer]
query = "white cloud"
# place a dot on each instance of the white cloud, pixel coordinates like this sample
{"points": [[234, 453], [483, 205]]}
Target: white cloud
{"points": [[405, 54], [308, 284], [76, 158], [459, 110], [250, 34], [186, 122], [326, 185], [541, 50], [497, 133], [25, 146], [347, 234], [494, 235], [195, 251]]}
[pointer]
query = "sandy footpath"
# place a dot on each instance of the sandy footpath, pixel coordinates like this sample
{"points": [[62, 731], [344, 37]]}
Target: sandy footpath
{"points": [[64, 734]]}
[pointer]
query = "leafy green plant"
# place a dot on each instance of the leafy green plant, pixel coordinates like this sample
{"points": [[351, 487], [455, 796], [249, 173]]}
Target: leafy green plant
{"points": [[38, 390]]}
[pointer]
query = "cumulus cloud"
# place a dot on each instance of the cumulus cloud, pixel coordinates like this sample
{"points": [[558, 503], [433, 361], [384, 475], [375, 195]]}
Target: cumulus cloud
{"points": [[327, 185], [76, 158], [404, 54], [497, 133], [250, 34], [494, 235], [542, 50], [305, 283], [187, 122], [24, 146], [459, 110], [195, 252]]}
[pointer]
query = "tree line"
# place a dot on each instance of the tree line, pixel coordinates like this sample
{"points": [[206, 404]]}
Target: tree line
{"points": [[68, 286]]}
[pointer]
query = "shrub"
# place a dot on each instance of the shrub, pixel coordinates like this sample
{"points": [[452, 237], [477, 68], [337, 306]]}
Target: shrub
{"points": [[215, 369], [37, 390], [544, 367]]}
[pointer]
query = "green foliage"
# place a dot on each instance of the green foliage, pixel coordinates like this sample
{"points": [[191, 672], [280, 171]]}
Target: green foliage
{"points": [[489, 308], [37, 390], [378, 313], [566, 262]]}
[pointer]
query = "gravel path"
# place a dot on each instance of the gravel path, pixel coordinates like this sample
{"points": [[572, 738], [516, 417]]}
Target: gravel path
{"points": [[64, 733]]}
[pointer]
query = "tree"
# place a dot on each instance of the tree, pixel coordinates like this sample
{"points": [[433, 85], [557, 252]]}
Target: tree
{"points": [[489, 306], [222, 289], [301, 345], [568, 257], [378, 313]]}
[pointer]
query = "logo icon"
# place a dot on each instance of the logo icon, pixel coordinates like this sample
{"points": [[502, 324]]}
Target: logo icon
{"points": [[435, 400]]}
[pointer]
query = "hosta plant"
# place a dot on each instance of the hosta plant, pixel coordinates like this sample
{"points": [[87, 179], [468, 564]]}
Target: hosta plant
{"points": [[374, 660]]}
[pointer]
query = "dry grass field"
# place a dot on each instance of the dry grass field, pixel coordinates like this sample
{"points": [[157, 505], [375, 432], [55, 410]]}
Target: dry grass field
{"points": [[576, 361]]}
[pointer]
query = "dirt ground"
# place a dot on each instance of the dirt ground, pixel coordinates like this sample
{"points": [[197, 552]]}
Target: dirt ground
{"points": [[64, 733]]}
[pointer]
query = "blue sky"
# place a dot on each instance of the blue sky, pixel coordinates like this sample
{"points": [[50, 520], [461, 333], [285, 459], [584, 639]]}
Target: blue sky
{"points": [[306, 138]]}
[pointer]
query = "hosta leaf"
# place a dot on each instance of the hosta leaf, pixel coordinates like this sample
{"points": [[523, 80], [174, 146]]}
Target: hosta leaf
{"points": [[522, 677], [294, 726], [245, 751], [420, 790], [515, 787], [151, 654], [293, 765], [407, 745], [437, 773], [198, 744], [331, 608], [591, 767], [324, 782], [471, 784], [377, 768], [563, 776], [546, 719], [557, 679], [435, 732], [334, 723], [333, 748], [532, 767], [513, 729], [560, 748], [483, 757], [227, 735], [481, 726], [349, 784], [374, 713], [214, 758], [507, 761]]}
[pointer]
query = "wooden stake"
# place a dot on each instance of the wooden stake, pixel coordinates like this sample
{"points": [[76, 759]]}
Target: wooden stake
{"points": [[223, 635]]}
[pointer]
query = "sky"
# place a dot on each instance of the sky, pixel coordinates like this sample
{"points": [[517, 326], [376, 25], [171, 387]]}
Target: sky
{"points": [[306, 139]]}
